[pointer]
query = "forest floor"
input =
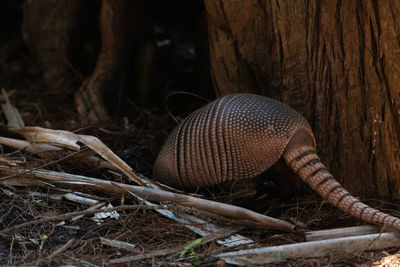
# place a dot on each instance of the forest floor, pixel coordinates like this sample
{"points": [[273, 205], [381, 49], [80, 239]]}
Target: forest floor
{"points": [[153, 238]]}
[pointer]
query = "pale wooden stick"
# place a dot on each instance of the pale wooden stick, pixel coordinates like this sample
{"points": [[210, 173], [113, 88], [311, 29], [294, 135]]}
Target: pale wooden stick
{"points": [[343, 232], [118, 244], [28, 146], [340, 246], [78, 199]]}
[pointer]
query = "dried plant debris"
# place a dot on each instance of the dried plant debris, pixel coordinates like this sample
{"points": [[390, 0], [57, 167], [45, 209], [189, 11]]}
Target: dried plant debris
{"points": [[14, 119], [50, 217]]}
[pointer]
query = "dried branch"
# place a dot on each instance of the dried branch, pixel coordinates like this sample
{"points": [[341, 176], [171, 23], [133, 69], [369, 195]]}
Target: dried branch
{"points": [[31, 178], [343, 232]]}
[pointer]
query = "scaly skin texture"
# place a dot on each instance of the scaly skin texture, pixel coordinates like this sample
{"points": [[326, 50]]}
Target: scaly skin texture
{"points": [[240, 136], [308, 166]]}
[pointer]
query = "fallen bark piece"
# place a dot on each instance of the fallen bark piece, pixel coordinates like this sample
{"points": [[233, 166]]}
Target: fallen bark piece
{"points": [[344, 232], [322, 248]]}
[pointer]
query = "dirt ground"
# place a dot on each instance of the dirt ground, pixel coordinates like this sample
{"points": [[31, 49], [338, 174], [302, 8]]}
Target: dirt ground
{"points": [[136, 139]]}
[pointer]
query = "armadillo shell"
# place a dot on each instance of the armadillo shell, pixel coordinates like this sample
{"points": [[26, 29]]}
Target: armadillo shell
{"points": [[234, 137]]}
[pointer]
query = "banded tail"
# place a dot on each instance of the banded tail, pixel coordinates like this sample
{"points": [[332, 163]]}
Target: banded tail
{"points": [[305, 162]]}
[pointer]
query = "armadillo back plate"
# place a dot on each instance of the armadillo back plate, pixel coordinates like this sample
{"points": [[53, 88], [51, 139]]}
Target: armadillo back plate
{"points": [[234, 137]]}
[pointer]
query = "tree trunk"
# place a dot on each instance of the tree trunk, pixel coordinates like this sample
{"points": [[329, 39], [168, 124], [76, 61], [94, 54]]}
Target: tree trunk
{"points": [[336, 62]]}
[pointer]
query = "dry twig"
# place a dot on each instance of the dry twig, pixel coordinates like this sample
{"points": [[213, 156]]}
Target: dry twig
{"points": [[322, 248]]}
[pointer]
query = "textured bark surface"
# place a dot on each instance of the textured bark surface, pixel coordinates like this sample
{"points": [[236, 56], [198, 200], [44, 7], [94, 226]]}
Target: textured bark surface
{"points": [[48, 27], [125, 34], [336, 62], [58, 32]]}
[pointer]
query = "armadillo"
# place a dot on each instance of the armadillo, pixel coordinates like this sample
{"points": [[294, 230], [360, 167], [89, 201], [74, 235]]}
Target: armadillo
{"points": [[240, 136]]}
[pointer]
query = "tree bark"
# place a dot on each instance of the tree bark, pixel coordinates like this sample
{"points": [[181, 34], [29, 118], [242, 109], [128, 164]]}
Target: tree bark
{"points": [[46, 30], [336, 62], [125, 34]]}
